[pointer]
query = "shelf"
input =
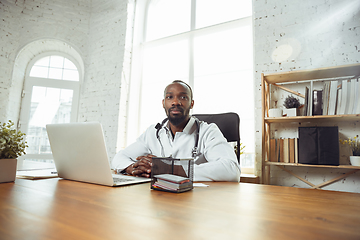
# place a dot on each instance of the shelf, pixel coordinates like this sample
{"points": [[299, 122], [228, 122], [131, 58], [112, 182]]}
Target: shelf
{"points": [[333, 118], [279, 79], [313, 74], [309, 165], [353, 169]]}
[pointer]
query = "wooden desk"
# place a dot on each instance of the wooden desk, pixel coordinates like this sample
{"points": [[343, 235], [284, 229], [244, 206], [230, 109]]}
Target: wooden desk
{"points": [[61, 209]]}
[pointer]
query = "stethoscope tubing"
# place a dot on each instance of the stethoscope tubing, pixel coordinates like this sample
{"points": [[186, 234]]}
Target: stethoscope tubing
{"points": [[194, 151]]}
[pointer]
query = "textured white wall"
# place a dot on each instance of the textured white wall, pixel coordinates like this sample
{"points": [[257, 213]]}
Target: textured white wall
{"points": [[23, 22], [100, 95], [95, 30], [296, 35]]}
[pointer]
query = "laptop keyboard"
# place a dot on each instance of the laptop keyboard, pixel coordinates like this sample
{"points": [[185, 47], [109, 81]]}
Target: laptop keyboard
{"points": [[118, 180]]}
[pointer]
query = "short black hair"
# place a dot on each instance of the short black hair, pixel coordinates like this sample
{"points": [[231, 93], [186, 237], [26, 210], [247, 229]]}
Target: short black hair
{"points": [[182, 82]]}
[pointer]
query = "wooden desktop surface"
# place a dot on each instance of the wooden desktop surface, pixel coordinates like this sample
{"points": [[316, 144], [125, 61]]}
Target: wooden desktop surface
{"points": [[62, 209]]}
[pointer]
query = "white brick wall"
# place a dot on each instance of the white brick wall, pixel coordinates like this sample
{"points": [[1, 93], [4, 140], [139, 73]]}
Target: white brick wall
{"points": [[322, 33], [95, 30], [8, 41], [100, 97], [22, 22]]}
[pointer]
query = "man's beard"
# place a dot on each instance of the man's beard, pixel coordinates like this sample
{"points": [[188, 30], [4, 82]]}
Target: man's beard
{"points": [[178, 119]]}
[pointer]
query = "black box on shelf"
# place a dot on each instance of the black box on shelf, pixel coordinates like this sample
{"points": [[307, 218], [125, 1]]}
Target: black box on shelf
{"points": [[317, 103], [172, 174], [319, 145]]}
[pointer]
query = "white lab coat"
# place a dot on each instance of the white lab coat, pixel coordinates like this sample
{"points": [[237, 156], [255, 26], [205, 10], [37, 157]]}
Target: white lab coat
{"points": [[216, 160]]}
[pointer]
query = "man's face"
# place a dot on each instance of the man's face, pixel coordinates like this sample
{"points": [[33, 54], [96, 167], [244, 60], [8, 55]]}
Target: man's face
{"points": [[177, 103]]}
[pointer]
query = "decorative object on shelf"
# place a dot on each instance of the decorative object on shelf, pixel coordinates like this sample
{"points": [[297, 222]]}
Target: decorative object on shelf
{"points": [[290, 112], [317, 108], [319, 145], [355, 149], [355, 160], [291, 104], [275, 112], [12, 145]]}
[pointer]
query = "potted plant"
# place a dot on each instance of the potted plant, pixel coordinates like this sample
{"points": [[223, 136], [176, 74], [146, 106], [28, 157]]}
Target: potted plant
{"points": [[12, 145], [291, 104], [275, 112], [241, 149], [355, 149]]}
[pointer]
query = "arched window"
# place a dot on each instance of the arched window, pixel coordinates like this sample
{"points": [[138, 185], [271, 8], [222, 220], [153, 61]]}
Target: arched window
{"points": [[55, 67], [207, 43], [50, 95]]}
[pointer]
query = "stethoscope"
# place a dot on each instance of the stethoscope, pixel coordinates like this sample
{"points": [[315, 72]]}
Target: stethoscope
{"points": [[194, 151]]}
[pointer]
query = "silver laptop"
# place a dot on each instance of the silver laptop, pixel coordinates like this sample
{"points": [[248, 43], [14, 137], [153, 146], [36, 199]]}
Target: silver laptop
{"points": [[80, 154]]}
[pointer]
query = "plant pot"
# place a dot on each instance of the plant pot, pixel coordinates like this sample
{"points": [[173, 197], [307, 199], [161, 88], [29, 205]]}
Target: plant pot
{"points": [[7, 170], [355, 160], [275, 112], [290, 112]]}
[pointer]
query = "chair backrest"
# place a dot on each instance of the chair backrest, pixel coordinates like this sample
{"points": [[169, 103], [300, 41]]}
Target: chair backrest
{"points": [[228, 124]]}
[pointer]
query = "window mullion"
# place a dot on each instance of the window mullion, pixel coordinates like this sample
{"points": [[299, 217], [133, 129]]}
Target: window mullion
{"points": [[193, 15], [191, 43], [191, 60]]}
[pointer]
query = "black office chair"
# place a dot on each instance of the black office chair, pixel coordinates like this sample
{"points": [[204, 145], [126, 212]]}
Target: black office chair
{"points": [[228, 124]]}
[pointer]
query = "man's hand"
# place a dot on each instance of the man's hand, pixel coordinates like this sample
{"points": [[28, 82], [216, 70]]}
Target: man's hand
{"points": [[142, 167]]}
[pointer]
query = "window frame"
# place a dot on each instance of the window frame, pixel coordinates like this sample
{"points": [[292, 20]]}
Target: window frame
{"points": [[140, 44], [30, 82]]}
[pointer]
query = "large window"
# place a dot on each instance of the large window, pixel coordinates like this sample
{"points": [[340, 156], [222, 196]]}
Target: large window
{"points": [[207, 43], [50, 95]]}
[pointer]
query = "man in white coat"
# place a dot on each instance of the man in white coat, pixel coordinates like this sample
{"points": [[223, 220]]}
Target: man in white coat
{"points": [[215, 159]]}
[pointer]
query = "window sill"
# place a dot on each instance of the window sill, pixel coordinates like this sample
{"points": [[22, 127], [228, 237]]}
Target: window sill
{"points": [[249, 178]]}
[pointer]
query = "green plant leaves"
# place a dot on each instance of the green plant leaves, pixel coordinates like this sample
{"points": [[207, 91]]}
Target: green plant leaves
{"points": [[291, 102], [12, 144]]}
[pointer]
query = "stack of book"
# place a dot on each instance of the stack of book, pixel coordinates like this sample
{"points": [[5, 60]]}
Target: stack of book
{"points": [[337, 97], [172, 183], [284, 150]]}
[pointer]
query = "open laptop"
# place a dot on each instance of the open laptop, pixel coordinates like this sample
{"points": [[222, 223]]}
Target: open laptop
{"points": [[79, 153]]}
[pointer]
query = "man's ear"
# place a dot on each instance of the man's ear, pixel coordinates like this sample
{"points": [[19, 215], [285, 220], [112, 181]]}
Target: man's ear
{"points": [[192, 104], [163, 103]]}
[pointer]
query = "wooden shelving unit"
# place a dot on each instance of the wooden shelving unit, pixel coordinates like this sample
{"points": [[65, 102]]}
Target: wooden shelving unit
{"points": [[277, 79], [333, 118]]}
